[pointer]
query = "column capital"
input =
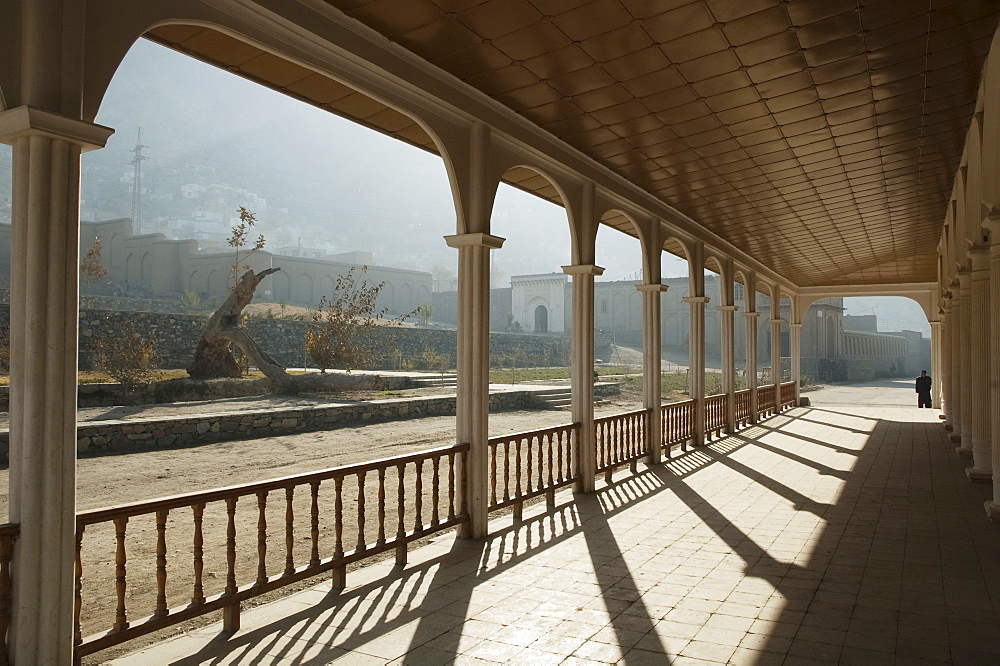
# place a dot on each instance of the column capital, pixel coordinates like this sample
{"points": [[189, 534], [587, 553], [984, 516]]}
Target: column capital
{"points": [[795, 326], [656, 288], [475, 240], [24, 121], [980, 255], [964, 279], [695, 299], [777, 321], [583, 269], [727, 308], [992, 223], [751, 315]]}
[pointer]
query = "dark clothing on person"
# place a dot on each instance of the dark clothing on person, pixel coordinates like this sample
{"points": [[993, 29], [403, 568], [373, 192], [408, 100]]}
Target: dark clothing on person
{"points": [[923, 389]]}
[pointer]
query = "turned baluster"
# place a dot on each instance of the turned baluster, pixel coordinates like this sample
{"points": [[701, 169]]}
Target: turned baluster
{"points": [[338, 517], [463, 478], [161, 564], [528, 470], [451, 486], [339, 570], [121, 620], [551, 459], [362, 545], [231, 613], [506, 470], [289, 530], [381, 506], [493, 473], [261, 537], [436, 491], [401, 516], [314, 519], [517, 467], [418, 500], [198, 597], [6, 546]]}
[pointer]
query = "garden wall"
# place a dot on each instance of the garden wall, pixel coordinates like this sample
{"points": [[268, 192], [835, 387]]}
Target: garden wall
{"points": [[177, 335]]}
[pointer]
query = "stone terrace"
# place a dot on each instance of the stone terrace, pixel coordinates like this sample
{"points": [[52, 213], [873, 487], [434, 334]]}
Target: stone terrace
{"points": [[846, 531]]}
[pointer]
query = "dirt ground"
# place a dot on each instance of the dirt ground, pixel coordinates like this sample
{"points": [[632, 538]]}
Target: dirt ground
{"points": [[119, 479]]}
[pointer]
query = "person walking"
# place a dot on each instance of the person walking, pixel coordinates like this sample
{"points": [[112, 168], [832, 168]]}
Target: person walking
{"points": [[923, 389]]}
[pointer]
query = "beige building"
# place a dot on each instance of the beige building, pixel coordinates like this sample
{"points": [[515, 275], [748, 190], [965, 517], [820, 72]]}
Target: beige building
{"points": [[153, 265]]}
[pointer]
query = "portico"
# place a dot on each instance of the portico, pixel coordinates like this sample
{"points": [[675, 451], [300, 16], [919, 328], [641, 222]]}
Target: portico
{"points": [[806, 149]]}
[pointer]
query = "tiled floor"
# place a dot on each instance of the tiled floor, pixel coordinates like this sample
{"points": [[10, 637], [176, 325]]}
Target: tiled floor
{"points": [[839, 532]]}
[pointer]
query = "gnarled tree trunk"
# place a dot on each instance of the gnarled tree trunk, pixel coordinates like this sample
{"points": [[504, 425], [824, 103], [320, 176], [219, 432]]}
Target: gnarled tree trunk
{"points": [[213, 358]]}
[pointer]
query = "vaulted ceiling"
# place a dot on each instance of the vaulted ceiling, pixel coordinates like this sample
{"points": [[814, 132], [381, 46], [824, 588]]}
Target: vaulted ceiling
{"points": [[820, 136]]}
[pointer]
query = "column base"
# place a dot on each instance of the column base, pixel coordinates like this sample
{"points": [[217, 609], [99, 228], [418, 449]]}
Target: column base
{"points": [[955, 437], [963, 453], [979, 475], [992, 511]]}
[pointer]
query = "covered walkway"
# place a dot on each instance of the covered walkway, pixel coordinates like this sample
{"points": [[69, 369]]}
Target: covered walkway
{"points": [[836, 532]]}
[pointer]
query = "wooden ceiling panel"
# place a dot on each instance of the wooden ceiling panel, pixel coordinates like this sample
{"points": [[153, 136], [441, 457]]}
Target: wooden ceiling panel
{"points": [[819, 135]]}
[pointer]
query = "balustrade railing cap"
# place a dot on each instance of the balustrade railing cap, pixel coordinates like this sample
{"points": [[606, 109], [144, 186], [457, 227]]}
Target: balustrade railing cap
{"points": [[475, 240], [583, 269]]}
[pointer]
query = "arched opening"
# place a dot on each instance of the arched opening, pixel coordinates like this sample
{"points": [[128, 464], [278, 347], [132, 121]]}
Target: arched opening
{"points": [[541, 319], [529, 292]]}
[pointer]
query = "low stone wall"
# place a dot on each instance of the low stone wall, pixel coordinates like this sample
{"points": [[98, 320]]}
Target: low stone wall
{"points": [[177, 335], [100, 437]]}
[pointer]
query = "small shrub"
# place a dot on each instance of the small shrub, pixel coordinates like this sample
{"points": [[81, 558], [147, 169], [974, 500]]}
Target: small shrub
{"points": [[129, 358], [191, 300]]}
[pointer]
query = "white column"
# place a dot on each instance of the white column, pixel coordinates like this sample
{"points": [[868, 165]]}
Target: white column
{"points": [[795, 350], [964, 450], [776, 355], [728, 315], [582, 370], [979, 355], [651, 353], [45, 246], [950, 369], [937, 349], [993, 224], [751, 322], [696, 364], [473, 368]]}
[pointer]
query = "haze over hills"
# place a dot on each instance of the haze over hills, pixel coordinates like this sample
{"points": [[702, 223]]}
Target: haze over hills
{"points": [[215, 141]]}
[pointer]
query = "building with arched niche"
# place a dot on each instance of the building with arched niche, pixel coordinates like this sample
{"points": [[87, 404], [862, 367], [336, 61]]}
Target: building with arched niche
{"points": [[152, 265], [542, 304]]}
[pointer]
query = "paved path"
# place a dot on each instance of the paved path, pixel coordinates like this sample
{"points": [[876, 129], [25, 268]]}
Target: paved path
{"points": [[831, 533], [881, 392]]}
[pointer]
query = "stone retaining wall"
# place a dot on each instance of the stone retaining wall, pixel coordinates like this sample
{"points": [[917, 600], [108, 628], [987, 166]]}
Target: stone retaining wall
{"points": [[99, 437]]}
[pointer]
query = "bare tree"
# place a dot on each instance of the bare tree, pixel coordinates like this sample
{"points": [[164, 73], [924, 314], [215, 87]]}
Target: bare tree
{"points": [[91, 268]]}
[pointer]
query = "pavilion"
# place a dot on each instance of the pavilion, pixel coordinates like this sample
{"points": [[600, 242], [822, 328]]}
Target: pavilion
{"points": [[802, 148]]}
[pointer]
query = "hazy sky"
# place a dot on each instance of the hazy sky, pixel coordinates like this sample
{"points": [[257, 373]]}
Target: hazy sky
{"points": [[336, 172]]}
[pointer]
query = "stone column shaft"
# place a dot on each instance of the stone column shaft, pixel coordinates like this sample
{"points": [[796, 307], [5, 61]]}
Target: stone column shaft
{"points": [[651, 354], [751, 322], [776, 359], [45, 246], [728, 315], [954, 378], [795, 333], [696, 364], [993, 224], [936, 350], [473, 368], [582, 370], [965, 359], [979, 355]]}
